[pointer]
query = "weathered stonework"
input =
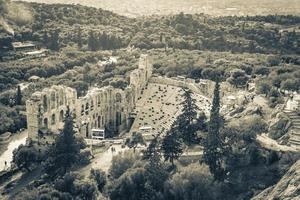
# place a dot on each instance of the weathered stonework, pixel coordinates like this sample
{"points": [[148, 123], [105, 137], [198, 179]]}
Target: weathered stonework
{"points": [[108, 105], [100, 107], [46, 109]]}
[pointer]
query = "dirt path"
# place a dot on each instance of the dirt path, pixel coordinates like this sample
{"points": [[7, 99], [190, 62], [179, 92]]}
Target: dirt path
{"points": [[103, 160]]}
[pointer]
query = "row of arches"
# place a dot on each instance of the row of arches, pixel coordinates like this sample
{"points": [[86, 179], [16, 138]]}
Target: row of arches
{"points": [[53, 119], [54, 100], [89, 106]]}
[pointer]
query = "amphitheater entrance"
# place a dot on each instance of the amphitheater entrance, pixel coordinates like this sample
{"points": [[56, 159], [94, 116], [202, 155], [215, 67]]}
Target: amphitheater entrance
{"points": [[130, 120], [84, 130], [118, 119]]}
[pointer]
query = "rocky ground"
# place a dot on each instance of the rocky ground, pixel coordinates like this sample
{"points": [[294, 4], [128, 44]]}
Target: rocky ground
{"points": [[288, 188]]}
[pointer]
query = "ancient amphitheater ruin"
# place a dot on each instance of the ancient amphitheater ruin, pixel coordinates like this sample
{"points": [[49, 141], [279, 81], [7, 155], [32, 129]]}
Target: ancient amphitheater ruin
{"points": [[100, 106], [148, 103]]}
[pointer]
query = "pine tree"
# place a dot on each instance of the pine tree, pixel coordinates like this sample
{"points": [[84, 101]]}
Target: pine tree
{"points": [[66, 150], [213, 147], [19, 96], [172, 146], [186, 121]]}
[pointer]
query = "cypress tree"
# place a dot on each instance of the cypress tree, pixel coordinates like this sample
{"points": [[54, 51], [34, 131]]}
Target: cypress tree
{"points": [[213, 146], [19, 96]]}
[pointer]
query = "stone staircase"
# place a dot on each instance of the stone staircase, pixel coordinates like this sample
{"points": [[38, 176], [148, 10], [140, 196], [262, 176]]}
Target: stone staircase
{"points": [[294, 131]]}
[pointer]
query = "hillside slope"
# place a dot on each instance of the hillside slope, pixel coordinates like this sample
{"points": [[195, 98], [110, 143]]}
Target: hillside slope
{"points": [[288, 188]]}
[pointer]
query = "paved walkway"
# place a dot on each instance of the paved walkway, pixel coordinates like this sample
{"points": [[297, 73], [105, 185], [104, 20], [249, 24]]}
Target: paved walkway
{"points": [[103, 160]]}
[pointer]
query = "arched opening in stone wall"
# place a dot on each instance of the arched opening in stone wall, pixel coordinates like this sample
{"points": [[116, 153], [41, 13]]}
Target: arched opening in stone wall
{"points": [[99, 100], [53, 120], [45, 103], [118, 118], [110, 113], [118, 98], [61, 116], [87, 107], [82, 109], [45, 123], [99, 121], [92, 105]]}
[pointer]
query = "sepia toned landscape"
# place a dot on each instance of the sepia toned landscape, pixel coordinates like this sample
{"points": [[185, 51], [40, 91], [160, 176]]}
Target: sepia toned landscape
{"points": [[150, 100]]}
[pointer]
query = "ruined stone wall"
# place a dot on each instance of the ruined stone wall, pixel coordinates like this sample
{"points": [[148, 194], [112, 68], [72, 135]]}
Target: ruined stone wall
{"points": [[46, 109], [98, 108], [204, 87], [140, 77]]}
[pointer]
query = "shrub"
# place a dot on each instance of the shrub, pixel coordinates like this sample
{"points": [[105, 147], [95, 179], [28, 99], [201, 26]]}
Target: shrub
{"points": [[191, 183], [122, 162], [100, 178]]}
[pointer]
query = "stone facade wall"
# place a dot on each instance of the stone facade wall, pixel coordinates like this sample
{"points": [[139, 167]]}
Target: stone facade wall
{"points": [[103, 106], [46, 109], [98, 108]]}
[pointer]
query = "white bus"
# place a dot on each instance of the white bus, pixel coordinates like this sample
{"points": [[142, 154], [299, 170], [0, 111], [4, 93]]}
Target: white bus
{"points": [[98, 134]]}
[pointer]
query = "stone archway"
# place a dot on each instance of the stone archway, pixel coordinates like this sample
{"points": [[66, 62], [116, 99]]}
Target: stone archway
{"points": [[45, 122], [53, 119], [99, 121], [61, 115], [118, 119]]}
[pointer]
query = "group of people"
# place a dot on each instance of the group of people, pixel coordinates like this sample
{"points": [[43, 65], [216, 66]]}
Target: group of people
{"points": [[113, 149]]}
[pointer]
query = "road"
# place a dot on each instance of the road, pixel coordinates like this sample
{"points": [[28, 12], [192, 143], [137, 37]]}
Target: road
{"points": [[16, 140]]}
